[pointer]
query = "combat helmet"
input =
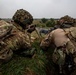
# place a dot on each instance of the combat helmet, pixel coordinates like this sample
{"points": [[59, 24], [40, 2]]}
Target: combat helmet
{"points": [[22, 17], [67, 19]]}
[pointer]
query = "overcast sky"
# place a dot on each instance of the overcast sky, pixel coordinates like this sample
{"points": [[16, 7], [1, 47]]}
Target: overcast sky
{"points": [[39, 8]]}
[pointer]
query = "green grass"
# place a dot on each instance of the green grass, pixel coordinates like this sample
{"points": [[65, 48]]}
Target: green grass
{"points": [[26, 66]]}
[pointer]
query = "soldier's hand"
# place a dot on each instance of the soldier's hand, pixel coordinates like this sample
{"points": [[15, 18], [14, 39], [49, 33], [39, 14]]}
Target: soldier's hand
{"points": [[31, 28]]}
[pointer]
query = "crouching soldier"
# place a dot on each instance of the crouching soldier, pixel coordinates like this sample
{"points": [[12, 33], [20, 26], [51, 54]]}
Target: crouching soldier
{"points": [[63, 47], [13, 37]]}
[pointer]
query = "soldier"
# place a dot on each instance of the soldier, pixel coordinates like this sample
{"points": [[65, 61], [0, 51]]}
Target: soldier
{"points": [[63, 45], [66, 22], [13, 37]]}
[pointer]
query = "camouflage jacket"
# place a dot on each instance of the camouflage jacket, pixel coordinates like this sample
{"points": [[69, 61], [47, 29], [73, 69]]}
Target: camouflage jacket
{"points": [[13, 40], [71, 33]]}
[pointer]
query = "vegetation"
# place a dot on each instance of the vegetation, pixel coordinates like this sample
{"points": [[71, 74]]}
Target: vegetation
{"points": [[40, 64], [50, 23], [39, 23], [44, 20], [25, 65]]}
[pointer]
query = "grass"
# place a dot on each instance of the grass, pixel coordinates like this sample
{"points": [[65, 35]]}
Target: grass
{"points": [[39, 64], [26, 66]]}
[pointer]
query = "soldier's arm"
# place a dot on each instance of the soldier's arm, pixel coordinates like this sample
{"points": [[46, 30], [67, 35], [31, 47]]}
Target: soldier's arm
{"points": [[49, 36], [31, 28], [46, 41]]}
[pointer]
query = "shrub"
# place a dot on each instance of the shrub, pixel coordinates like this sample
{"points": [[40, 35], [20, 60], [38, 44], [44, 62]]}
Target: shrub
{"points": [[48, 23], [44, 20], [52, 22]]}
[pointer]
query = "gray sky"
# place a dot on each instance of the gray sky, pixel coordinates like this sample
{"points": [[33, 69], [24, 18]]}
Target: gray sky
{"points": [[39, 8]]}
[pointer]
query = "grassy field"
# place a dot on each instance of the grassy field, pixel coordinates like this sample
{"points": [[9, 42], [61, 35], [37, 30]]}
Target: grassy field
{"points": [[39, 64], [18, 65]]}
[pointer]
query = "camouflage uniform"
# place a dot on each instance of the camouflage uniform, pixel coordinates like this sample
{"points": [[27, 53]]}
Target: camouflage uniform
{"points": [[59, 38], [71, 33], [65, 48], [15, 39]]}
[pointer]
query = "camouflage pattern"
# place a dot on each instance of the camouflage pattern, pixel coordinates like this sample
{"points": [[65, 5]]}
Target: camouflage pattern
{"points": [[57, 56], [23, 17], [14, 37], [67, 19], [15, 41], [71, 33], [66, 22], [63, 56]]}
